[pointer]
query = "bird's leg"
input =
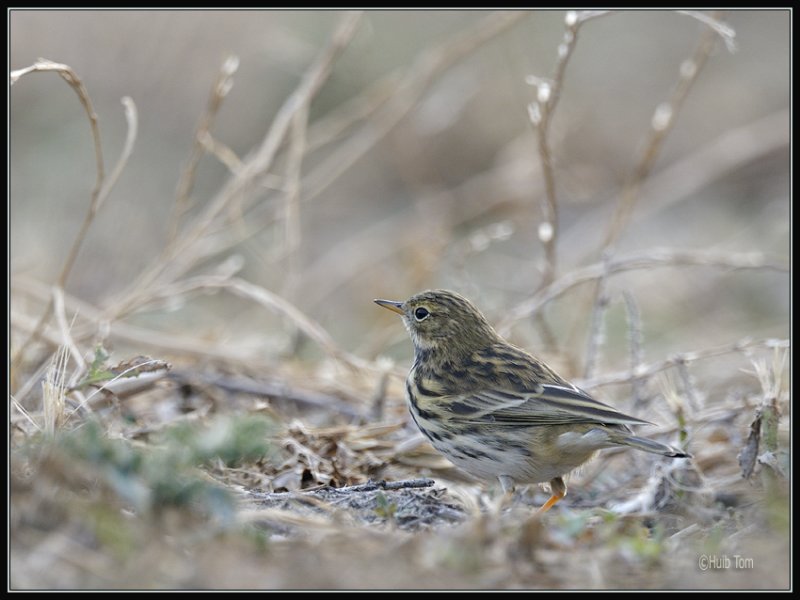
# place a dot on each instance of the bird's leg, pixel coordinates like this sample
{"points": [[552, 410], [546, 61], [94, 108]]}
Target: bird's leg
{"points": [[558, 489]]}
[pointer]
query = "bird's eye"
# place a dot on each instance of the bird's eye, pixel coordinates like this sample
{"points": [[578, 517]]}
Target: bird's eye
{"points": [[421, 314]]}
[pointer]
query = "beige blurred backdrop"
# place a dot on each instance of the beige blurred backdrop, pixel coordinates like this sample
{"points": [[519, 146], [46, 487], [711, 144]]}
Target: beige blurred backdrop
{"points": [[449, 197]]}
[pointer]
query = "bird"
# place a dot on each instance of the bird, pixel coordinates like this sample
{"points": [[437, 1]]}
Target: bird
{"points": [[495, 410]]}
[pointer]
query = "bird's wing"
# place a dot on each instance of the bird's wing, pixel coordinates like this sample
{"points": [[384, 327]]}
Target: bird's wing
{"points": [[547, 404]]}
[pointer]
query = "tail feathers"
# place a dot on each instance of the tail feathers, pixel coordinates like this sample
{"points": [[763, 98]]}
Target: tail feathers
{"points": [[651, 446]]}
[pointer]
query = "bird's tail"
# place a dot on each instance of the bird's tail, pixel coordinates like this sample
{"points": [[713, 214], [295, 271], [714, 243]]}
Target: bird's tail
{"points": [[651, 446]]}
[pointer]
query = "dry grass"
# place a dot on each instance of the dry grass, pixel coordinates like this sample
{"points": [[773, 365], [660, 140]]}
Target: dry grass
{"points": [[290, 463]]}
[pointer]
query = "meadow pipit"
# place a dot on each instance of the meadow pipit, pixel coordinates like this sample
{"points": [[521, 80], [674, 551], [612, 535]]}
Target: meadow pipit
{"points": [[496, 411]]}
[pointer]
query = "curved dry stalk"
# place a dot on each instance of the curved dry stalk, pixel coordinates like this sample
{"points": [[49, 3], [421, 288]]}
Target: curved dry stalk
{"points": [[657, 257], [682, 358], [222, 86], [103, 185], [178, 256], [68, 75], [225, 281], [308, 326]]}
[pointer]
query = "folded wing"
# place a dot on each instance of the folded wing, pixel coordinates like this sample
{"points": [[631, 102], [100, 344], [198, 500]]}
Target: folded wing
{"points": [[542, 405]]}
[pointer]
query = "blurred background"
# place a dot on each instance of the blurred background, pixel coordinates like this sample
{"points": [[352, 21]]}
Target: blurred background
{"points": [[249, 232], [420, 169]]}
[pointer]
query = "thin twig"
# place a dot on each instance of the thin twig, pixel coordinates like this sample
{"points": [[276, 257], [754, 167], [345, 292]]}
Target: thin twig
{"points": [[412, 85], [142, 336], [308, 326], [66, 336], [222, 86], [648, 370], [272, 388], [54, 389], [688, 385], [132, 120], [109, 385], [404, 88], [271, 301], [541, 112], [68, 75], [635, 346], [335, 124], [371, 486], [292, 233], [725, 31], [387, 485], [21, 409], [596, 335], [98, 199], [656, 257], [661, 124], [222, 153], [178, 256]]}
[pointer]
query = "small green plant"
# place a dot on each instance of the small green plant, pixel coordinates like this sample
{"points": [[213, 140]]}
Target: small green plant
{"points": [[383, 507], [154, 478]]}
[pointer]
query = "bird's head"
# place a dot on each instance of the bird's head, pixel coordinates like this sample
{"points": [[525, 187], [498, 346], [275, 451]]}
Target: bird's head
{"points": [[443, 320]]}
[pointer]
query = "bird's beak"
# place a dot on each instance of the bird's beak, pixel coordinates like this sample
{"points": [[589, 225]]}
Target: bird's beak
{"points": [[391, 305]]}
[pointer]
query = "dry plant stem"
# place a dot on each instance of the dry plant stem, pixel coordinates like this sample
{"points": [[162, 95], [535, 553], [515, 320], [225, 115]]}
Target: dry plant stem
{"points": [[371, 486], [636, 347], [723, 30], [179, 256], [272, 389], [596, 321], [648, 370], [548, 94], [220, 89], [292, 233], [688, 175], [68, 75], [270, 301], [350, 489], [402, 90], [94, 318], [541, 112], [64, 327], [334, 125], [54, 388], [384, 105], [728, 152], [309, 327], [657, 257], [101, 192], [25, 415], [661, 125], [688, 386], [412, 85], [146, 338]]}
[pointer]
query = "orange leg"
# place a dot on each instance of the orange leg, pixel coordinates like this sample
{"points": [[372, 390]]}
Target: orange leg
{"points": [[558, 489]]}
